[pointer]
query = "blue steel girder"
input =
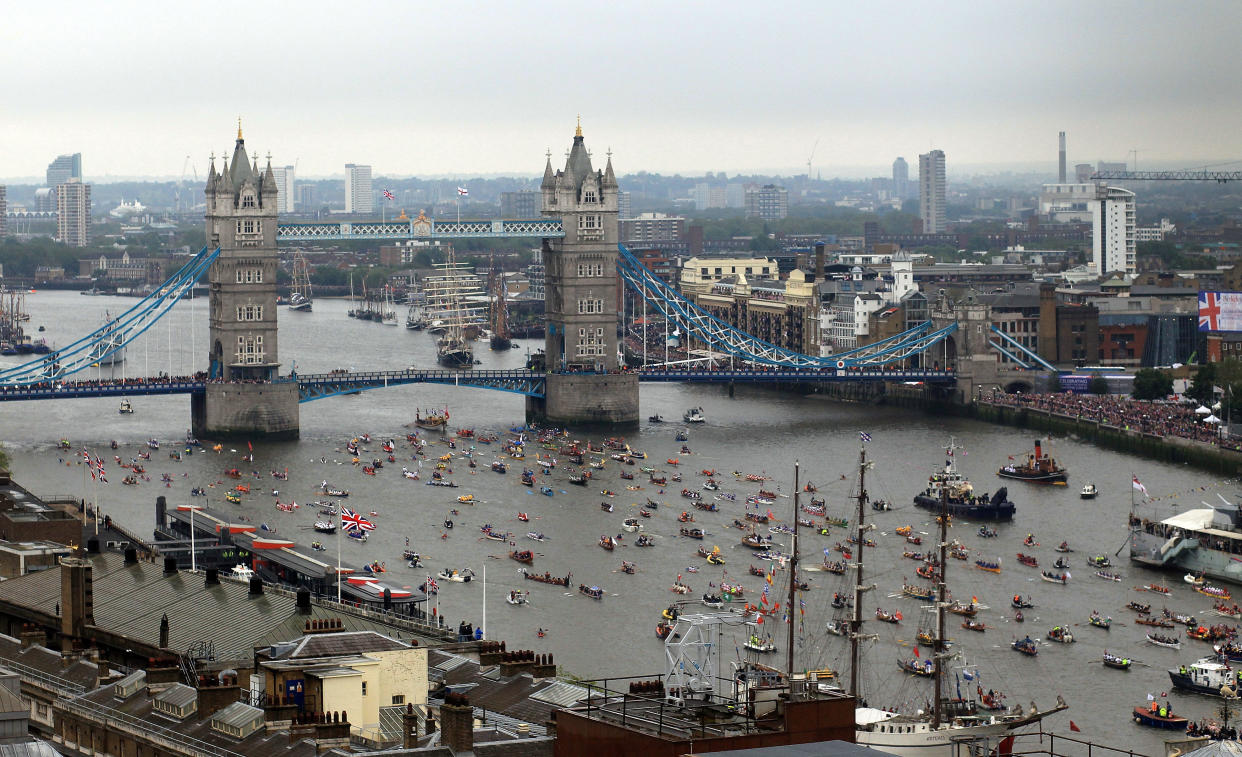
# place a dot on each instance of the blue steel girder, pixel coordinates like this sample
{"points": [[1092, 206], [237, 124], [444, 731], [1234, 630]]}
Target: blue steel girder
{"points": [[323, 385], [721, 336], [103, 341], [421, 228], [1023, 349], [85, 391], [996, 346], [793, 375]]}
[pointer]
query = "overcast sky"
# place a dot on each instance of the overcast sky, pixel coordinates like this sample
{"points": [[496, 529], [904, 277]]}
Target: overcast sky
{"points": [[486, 87]]}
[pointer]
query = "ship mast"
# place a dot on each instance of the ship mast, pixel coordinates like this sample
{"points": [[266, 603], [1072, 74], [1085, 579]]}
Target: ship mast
{"points": [[941, 599], [856, 622], [793, 581]]}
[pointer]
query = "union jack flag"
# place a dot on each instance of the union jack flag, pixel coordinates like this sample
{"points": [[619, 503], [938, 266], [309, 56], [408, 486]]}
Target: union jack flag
{"points": [[864, 436], [352, 520], [1209, 311], [389, 195]]}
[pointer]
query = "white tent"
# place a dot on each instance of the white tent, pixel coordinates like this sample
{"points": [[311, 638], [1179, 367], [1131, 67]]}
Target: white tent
{"points": [[1201, 410], [1211, 419], [1216, 406]]}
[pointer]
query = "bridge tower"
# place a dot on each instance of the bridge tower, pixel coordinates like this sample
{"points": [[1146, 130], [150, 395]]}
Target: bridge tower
{"points": [[241, 221], [581, 298]]}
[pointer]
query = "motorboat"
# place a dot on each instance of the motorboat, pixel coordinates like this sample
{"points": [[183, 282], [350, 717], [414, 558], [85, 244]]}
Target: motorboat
{"points": [[458, 576], [1089, 491], [694, 415]]}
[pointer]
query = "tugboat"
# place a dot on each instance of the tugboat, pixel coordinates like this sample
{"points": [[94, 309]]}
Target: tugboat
{"points": [[1207, 676], [1039, 468], [961, 498]]}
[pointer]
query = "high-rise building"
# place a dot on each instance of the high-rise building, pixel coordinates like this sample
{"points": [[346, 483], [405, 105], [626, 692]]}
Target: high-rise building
{"points": [[73, 213], [1113, 231], [286, 185], [1061, 160], [306, 198], [735, 195], [45, 200], [769, 202], [4, 209], [932, 191], [650, 227], [64, 168], [624, 209], [358, 189], [1082, 172], [523, 204], [901, 178]]}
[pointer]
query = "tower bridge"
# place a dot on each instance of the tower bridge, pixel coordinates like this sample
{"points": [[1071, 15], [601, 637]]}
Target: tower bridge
{"points": [[244, 393]]}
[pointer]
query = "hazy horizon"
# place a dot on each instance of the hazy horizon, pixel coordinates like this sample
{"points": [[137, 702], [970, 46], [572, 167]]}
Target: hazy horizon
{"points": [[484, 88]]}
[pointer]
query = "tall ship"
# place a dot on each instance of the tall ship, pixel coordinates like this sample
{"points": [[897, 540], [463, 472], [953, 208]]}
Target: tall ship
{"points": [[301, 298], [12, 316], [1039, 467], [955, 725], [959, 493], [109, 349], [1205, 541], [501, 339], [456, 301]]}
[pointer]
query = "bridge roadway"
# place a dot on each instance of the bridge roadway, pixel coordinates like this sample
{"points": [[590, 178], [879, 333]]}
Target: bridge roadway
{"points": [[320, 385]]}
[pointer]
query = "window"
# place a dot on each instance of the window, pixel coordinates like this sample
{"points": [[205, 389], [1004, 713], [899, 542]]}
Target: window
{"points": [[249, 275], [590, 305], [247, 200], [588, 221], [364, 688], [249, 312], [590, 342], [398, 698], [588, 195], [250, 350]]}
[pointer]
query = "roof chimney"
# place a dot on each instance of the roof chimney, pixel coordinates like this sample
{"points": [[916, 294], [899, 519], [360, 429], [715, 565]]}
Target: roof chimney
{"points": [[213, 577], [457, 723], [256, 586], [170, 565], [92, 545], [304, 601], [131, 556]]}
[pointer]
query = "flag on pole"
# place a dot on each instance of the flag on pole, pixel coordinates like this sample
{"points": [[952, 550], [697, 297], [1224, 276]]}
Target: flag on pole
{"points": [[1138, 485], [863, 435], [462, 192], [1074, 726], [388, 195], [352, 520]]}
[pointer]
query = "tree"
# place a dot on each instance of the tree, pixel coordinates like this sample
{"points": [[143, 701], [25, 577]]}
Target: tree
{"points": [[1097, 385], [1202, 386], [1151, 384]]}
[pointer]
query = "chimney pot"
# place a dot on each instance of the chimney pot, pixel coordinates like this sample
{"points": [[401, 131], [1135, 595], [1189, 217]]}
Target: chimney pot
{"points": [[131, 556], [170, 565], [213, 577], [256, 586]]}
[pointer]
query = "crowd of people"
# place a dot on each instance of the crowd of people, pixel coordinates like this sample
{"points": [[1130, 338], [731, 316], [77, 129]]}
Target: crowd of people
{"points": [[1157, 418], [134, 381]]}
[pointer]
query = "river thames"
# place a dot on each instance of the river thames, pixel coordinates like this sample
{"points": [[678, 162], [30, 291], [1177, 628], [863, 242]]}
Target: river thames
{"points": [[758, 431]]}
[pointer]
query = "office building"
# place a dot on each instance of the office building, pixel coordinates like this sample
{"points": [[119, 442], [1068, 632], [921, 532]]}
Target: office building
{"points": [[707, 196], [735, 195], [901, 178], [624, 208], [1066, 203], [647, 227], [769, 202], [286, 189], [524, 204], [1112, 231], [73, 213], [45, 200], [932, 191], [4, 209], [64, 168], [358, 189], [1083, 172]]}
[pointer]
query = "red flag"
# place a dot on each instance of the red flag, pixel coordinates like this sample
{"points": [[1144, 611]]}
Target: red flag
{"points": [[1074, 726], [250, 446], [916, 651]]}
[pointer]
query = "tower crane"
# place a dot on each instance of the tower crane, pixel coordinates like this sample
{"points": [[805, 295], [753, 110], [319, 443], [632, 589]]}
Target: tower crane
{"points": [[1220, 177], [809, 158]]}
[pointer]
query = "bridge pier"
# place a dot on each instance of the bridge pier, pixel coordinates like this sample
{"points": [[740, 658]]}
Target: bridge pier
{"points": [[586, 398], [246, 411]]}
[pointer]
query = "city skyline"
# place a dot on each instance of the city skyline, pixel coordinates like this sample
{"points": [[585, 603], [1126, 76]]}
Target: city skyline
{"points": [[988, 85]]}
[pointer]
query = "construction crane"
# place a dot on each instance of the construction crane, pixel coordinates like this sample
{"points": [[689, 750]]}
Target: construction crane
{"points": [[1220, 177], [812, 156], [187, 163]]}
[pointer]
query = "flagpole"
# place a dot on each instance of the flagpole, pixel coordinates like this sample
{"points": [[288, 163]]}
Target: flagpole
{"points": [[483, 628], [340, 526]]}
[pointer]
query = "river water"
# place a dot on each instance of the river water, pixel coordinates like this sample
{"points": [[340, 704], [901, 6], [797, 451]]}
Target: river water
{"points": [[759, 430]]}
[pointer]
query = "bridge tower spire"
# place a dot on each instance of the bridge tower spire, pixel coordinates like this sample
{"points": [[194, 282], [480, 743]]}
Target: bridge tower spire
{"points": [[584, 383], [242, 348]]}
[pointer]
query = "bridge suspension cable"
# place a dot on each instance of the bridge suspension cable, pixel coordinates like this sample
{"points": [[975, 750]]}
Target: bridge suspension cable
{"points": [[719, 335], [117, 333]]}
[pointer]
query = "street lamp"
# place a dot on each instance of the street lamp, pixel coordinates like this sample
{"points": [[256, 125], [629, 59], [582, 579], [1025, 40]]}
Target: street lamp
{"points": [[193, 552]]}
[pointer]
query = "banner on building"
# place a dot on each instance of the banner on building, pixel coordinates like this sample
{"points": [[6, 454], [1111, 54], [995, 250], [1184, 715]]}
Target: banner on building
{"points": [[1220, 311]]}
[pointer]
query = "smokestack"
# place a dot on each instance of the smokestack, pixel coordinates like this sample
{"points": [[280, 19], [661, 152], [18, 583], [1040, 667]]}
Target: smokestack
{"points": [[1038, 452], [1061, 164]]}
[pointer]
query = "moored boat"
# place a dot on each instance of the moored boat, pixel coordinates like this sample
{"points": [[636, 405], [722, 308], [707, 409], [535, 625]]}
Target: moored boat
{"points": [[1038, 467]]}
